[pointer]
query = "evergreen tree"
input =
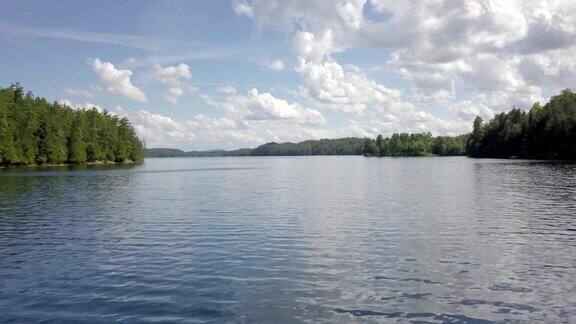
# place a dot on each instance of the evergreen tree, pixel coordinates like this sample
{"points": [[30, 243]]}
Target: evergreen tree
{"points": [[370, 148], [34, 131], [545, 132], [476, 136], [379, 145], [76, 144]]}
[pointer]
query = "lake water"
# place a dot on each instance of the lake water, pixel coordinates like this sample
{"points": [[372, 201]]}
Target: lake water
{"points": [[291, 239]]}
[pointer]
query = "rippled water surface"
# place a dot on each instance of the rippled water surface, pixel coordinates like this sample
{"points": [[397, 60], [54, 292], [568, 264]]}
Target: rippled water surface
{"points": [[291, 239]]}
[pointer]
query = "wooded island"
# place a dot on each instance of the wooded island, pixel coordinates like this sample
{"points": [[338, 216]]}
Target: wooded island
{"points": [[34, 131]]}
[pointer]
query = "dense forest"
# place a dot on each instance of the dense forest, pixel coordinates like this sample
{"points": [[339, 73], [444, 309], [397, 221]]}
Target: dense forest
{"points": [[424, 144], [340, 146], [544, 132], [34, 131]]}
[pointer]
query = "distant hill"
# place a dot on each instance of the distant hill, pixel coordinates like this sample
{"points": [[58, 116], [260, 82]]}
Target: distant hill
{"points": [[169, 152], [340, 146]]}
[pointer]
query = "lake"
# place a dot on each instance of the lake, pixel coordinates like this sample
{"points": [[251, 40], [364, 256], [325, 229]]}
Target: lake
{"points": [[290, 239]]}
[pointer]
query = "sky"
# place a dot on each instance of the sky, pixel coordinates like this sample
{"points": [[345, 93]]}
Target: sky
{"points": [[213, 74]]}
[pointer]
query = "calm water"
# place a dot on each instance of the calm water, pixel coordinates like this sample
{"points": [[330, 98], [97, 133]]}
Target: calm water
{"points": [[291, 239]]}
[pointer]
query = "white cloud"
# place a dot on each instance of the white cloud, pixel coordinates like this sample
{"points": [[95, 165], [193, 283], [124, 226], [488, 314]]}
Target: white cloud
{"points": [[487, 47], [241, 8], [433, 87], [117, 81], [249, 120], [209, 132], [227, 89], [450, 60], [264, 106], [507, 52], [467, 110], [158, 130], [327, 27], [311, 47], [274, 65], [174, 77], [77, 106], [346, 89]]}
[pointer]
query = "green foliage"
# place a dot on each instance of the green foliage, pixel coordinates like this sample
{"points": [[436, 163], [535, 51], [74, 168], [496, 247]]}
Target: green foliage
{"points": [[369, 148], [545, 132], [424, 144], [340, 146], [450, 146], [36, 132]]}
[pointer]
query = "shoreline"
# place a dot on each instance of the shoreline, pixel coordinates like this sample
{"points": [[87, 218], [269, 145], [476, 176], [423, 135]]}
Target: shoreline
{"points": [[49, 165]]}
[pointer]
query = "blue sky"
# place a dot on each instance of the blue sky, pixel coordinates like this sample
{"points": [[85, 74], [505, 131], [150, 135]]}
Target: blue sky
{"points": [[227, 74]]}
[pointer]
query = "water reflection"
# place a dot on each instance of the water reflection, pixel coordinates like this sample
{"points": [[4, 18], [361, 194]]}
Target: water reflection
{"points": [[301, 239]]}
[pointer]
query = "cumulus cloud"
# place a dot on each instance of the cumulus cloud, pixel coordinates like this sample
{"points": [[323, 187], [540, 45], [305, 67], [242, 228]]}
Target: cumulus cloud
{"points": [[274, 65], [487, 47], [433, 87], [327, 27], [116, 80], [257, 106], [159, 130], [249, 119], [346, 89], [242, 8], [312, 47], [174, 77], [227, 89], [456, 59], [494, 54]]}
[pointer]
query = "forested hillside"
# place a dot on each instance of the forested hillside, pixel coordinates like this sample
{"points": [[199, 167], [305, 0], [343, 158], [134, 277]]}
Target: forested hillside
{"points": [[34, 131], [340, 146], [544, 132]]}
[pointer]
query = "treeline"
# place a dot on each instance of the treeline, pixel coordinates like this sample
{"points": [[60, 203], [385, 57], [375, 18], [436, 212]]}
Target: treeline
{"points": [[423, 144], [544, 132], [340, 146], [34, 131], [169, 152]]}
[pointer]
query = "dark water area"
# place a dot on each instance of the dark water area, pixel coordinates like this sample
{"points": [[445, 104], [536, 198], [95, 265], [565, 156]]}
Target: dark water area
{"points": [[290, 239]]}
